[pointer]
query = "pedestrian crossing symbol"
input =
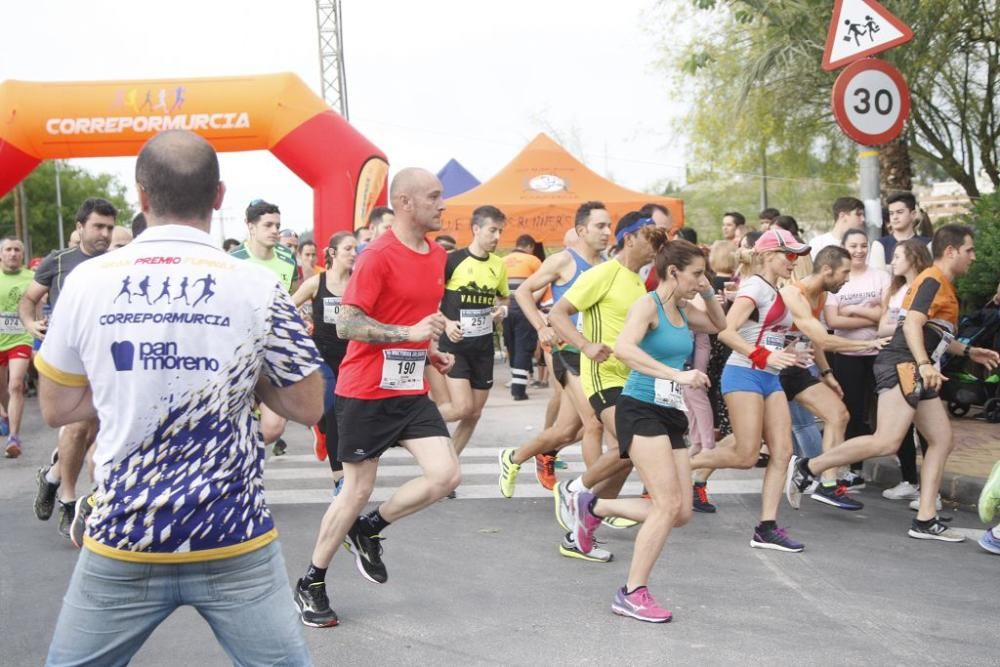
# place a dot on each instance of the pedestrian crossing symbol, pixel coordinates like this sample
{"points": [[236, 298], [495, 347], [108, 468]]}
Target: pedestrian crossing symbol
{"points": [[861, 28]]}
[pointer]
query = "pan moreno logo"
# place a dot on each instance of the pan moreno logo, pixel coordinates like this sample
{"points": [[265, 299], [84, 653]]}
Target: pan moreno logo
{"points": [[146, 112], [547, 183], [157, 356]]}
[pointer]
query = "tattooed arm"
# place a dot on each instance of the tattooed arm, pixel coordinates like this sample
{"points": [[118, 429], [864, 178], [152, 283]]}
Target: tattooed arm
{"points": [[353, 324]]}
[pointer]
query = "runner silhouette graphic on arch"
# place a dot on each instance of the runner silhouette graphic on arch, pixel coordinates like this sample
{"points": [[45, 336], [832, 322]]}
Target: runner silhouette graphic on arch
{"points": [[206, 291]]}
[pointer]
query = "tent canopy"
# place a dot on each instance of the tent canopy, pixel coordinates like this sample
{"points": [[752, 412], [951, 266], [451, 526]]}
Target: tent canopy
{"points": [[540, 190], [456, 179]]}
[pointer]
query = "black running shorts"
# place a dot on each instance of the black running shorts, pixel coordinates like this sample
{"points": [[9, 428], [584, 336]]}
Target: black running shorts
{"points": [[634, 417], [603, 400], [366, 428], [795, 380], [904, 375], [564, 363], [477, 368]]}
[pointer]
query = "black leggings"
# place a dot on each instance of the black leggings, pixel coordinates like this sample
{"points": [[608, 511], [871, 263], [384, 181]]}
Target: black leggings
{"points": [[857, 379]]}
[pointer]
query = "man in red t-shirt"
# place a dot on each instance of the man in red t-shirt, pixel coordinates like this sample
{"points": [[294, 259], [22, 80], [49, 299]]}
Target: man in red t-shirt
{"points": [[390, 314]]}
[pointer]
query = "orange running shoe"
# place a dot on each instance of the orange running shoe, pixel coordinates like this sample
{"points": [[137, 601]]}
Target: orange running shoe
{"points": [[319, 443], [545, 470]]}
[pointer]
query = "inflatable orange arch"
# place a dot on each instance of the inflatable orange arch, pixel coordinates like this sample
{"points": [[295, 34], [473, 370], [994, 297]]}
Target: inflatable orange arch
{"points": [[277, 112]]}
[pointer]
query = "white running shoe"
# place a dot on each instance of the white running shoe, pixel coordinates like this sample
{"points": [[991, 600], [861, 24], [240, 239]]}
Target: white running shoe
{"points": [[915, 504], [902, 491]]}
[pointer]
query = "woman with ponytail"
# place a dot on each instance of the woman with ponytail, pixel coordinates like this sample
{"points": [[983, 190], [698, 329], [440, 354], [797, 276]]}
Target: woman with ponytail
{"points": [[324, 290], [651, 416]]}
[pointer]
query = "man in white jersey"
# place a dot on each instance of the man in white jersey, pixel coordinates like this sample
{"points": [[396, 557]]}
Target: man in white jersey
{"points": [[179, 515]]}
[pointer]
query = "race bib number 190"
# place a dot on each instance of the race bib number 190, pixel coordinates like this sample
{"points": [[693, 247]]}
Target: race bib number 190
{"points": [[668, 394], [403, 370]]}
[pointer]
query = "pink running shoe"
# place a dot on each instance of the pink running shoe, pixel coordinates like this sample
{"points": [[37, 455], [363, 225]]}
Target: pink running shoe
{"points": [[639, 604], [584, 521]]}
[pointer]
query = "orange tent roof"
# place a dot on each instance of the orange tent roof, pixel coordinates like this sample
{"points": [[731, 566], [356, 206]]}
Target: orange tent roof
{"points": [[540, 190]]}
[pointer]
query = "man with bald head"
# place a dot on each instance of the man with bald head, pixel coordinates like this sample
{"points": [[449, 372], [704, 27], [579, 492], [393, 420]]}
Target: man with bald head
{"points": [[179, 516], [120, 237], [390, 314]]}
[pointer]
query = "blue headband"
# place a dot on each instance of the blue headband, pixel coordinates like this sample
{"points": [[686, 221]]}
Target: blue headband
{"points": [[633, 228]]}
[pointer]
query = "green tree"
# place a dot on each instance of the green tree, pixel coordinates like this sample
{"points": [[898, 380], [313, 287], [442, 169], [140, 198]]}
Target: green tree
{"points": [[980, 284], [76, 185], [754, 71]]}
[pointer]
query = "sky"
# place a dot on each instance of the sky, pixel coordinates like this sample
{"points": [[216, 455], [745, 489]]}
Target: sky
{"points": [[427, 81]]}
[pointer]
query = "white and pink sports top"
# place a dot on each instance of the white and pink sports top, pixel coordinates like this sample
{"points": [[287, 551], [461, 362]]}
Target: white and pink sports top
{"points": [[769, 324]]}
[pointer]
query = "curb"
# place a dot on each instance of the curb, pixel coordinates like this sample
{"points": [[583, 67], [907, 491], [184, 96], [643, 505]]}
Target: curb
{"points": [[962, 490]]}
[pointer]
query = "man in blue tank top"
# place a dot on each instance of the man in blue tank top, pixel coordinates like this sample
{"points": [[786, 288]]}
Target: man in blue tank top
{"points": [[592, 225]]}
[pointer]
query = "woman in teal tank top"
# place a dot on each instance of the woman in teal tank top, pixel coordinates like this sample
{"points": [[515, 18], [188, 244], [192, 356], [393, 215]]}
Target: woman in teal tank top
{"points": [[655, 343]]}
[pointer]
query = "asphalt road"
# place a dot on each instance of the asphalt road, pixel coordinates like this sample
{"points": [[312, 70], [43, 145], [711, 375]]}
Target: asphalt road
{"points": [[479, 580]]}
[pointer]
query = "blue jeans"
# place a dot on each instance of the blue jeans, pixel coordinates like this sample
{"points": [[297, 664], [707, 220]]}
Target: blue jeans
{"points": [[329, 386], [112, 606], [806, 437]]}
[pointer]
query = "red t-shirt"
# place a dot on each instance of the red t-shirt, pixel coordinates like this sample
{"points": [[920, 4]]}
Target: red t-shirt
{"points": [[652, 280], [392, 284]]}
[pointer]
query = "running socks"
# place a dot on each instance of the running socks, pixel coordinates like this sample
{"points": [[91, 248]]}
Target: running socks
{"points": [[372, 523], [577, 485], [314, 575], [768, 525]]}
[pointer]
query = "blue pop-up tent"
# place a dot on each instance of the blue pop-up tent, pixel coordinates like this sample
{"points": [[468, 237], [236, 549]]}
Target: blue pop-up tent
{"points": [[456, 179]]}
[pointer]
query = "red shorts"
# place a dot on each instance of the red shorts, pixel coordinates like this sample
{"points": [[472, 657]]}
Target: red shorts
{"points": [[18, 352]]}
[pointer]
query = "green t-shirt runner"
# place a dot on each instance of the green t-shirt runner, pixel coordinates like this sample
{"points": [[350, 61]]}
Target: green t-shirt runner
{"points": [[282, 263], [12, 286]]}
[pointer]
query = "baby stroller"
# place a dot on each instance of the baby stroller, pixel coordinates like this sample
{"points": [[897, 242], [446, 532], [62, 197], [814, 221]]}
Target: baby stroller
{"points": [[970, 384]]}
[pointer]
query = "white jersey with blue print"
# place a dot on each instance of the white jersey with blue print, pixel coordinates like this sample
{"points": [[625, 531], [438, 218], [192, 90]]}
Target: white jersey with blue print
{"points": [[172, 335]]}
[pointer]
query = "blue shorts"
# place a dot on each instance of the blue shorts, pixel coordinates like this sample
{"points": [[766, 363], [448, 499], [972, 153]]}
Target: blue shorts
{"points": [[738, 378]]}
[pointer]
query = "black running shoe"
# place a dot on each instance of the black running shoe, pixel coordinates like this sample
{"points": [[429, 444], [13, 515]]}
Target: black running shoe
{"points": [[836, 496], [934, 530], [701, 503], [45, 496], [66, 512], [314, 605], [279, 448], [367, 550], [84, 506]]}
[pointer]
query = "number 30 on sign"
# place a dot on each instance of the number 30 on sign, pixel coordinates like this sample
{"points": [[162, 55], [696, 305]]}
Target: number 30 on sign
{"points": [[871, 102]]}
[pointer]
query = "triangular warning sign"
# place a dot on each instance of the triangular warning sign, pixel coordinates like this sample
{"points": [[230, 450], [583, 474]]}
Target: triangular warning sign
{"points": [[861, 28]]}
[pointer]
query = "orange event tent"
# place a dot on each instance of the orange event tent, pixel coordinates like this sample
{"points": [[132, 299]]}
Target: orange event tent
{"points": [[539, 191]]}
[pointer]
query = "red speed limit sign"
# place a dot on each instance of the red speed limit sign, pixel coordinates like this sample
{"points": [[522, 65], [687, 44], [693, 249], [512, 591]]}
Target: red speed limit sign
{"points": [[871, 101]]}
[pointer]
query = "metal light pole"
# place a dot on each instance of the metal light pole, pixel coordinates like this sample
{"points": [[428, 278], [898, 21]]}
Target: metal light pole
{"points": [[870, 192], [62, 242]]}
